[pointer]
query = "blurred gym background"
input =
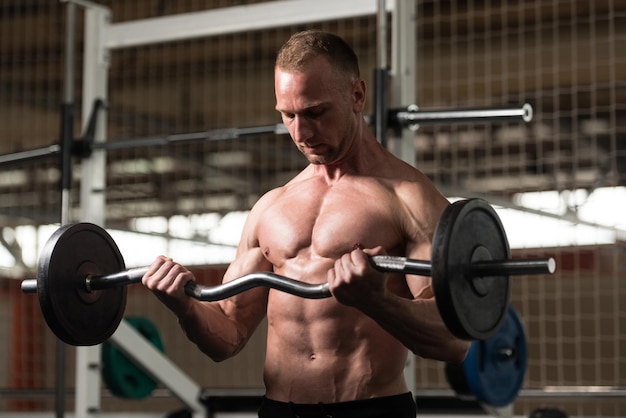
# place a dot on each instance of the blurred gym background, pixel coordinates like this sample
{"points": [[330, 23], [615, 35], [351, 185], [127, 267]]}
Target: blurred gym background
{"points": [[560, 177]]}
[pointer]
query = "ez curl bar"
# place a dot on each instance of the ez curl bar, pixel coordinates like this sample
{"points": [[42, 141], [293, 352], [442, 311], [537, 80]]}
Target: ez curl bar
{"points": [[81, 278]]}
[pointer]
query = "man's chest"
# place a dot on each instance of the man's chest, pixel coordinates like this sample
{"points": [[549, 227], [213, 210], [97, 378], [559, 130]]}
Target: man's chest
{"points": [[328, 222]]}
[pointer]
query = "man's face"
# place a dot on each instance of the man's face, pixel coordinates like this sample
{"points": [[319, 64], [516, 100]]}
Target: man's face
{"points": [[319, 109]]}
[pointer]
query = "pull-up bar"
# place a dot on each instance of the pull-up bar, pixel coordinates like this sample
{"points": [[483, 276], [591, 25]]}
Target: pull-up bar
{"points": [[409, 117]]}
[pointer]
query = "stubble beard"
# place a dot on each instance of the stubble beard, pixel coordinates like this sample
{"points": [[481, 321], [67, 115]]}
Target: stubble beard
{"points": [[320, 159]]}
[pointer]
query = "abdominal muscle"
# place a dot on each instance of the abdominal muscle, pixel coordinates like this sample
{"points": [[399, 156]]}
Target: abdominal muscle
{"points": [[321, 351]]}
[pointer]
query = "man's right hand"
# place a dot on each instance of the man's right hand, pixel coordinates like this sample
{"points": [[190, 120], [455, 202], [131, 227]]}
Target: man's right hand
{"points": [[167, 280]]}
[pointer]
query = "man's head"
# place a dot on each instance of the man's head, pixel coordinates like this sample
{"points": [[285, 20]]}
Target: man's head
{"points": [[303, 47], [319, 94]]}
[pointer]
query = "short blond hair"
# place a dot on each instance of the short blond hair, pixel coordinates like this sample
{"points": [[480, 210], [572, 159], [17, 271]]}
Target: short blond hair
{"points": [[304, 46]]}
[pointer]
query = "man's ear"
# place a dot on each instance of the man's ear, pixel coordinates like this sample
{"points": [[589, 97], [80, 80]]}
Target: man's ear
{"points": [[359, 90]]}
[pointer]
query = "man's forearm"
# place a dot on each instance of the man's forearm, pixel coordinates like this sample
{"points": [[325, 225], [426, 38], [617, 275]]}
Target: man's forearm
{"points": [[418, 325], [206, 325]]}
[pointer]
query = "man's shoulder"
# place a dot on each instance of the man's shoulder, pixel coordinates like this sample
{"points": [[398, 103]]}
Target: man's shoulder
{"points": [[401, 173]]}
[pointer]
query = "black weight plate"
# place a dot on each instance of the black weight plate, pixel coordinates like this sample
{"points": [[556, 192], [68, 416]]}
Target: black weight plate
{"points": [[76, 316], [470, 231]]}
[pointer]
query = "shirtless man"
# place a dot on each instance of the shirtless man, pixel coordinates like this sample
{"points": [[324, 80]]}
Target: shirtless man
{"points": [[345, 355]]}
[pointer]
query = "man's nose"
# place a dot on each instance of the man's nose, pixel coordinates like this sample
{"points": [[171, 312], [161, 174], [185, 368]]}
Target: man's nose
{"points": [[302, 129]]}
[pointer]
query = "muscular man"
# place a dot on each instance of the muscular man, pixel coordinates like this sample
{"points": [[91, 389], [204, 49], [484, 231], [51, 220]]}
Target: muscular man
{"points": [[345, 354]]}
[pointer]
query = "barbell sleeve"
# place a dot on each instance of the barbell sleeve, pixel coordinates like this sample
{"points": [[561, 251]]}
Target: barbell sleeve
{"points": [[121, 278], [477, 269], [513, 267], [29, 286]]}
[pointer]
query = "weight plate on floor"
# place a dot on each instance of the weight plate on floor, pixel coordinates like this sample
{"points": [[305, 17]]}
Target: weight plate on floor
{"points": [[473, 308], [76, 316], [123, 377], [494, 369]]}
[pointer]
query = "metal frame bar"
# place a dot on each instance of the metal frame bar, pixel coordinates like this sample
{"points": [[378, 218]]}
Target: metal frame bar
{"points": [[233, 20], [411, 116], [92, 189], [548, 392], [146, 356], [148, 141], [404, 73], [408, 117], [32, 154]]}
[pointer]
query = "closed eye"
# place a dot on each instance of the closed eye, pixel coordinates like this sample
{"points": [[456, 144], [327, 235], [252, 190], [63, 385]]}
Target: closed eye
{"points": [[309, 113], [314, 113]]}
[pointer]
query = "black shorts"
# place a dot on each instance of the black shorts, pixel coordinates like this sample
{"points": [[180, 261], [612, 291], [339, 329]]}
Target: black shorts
{"points": [[397, 406]]}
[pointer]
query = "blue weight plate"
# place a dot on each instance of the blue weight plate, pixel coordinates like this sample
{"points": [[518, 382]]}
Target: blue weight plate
{"points": [[495, 368], [470, 231], [76, 316]]}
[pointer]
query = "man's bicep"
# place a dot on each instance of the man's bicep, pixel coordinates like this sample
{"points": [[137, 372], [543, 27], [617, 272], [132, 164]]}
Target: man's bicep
{"points": [[248, 308], [424, 207]]}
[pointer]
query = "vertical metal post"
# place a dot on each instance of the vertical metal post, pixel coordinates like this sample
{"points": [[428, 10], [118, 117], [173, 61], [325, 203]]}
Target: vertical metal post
{"points": [[92, 187], [95, 81], [66, 138], [403, 87], [404, 71], [381, 76], [67, 122]]}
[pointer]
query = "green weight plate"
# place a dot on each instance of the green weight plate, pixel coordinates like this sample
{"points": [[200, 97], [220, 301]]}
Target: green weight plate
{"points": [[494, 369], [473, 308], [76, 316], [121, 375]]}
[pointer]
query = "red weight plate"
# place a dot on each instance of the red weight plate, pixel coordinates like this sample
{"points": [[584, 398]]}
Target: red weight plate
{"points": [[473, 308], [76, 316]]}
